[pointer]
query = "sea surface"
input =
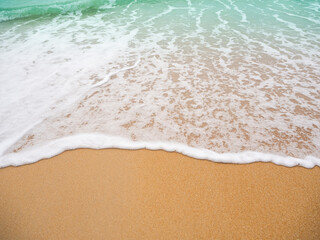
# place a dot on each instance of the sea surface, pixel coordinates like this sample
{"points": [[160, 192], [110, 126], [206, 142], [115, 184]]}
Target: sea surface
{"points": [[224, 80]]}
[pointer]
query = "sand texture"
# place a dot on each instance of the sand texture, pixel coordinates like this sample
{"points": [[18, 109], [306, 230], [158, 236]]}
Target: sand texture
{"points": [[142, 194]]}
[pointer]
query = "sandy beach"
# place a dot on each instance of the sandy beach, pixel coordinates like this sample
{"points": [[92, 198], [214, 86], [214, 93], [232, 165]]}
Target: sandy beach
{"points": [[233, 82], [142, 194]]}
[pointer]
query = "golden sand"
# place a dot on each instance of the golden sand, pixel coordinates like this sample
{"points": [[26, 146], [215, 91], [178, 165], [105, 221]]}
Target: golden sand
{"points": [[142, 194]]}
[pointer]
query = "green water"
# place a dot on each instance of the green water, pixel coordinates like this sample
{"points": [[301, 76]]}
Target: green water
{"points": [[18, 9]]}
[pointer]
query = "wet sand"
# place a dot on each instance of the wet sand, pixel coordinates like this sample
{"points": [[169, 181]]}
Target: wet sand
{"points": [[142, 194]]}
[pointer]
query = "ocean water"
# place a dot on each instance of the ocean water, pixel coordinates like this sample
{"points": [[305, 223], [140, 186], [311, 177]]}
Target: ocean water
{"points": [[224, 80]]}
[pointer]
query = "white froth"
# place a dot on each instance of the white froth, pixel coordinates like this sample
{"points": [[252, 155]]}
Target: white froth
{"points": [[198, 77], [98, 141]]}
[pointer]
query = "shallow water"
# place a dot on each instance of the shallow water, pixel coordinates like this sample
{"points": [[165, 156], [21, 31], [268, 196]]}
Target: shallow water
{"points": [[226, 76]]}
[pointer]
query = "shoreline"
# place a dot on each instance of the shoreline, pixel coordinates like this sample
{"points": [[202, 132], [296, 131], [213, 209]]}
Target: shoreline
{"points": [[144, 194], [101, 141]]}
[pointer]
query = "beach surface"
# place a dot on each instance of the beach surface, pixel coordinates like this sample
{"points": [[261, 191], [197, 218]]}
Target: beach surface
{"points": [[142, 194]]}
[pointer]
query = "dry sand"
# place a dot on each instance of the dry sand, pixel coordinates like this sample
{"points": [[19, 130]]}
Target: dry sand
{"points": [[122, 194]]}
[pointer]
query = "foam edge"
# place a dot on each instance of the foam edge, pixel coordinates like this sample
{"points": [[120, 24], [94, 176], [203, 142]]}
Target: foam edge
{"points": [[99, 141]]}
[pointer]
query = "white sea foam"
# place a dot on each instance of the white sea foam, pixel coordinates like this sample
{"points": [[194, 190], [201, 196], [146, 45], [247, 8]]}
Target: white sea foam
{"points": [[200, 77], [98, 141]]}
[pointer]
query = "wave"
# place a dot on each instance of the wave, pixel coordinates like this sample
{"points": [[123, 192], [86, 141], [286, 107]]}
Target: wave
{"points": [[159, 72], [101, 141], [10, 10]]}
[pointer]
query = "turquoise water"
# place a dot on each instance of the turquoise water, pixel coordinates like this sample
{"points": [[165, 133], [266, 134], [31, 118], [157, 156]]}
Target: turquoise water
{"points": [[226, 76], [10, 10]]}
